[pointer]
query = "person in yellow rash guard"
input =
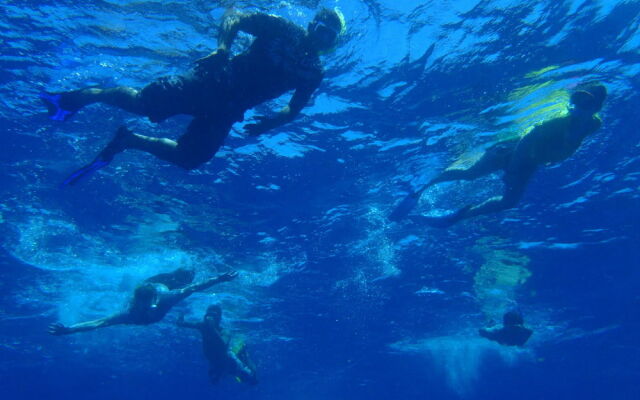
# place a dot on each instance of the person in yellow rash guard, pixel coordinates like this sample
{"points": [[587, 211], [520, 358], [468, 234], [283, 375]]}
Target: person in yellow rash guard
{"points": [[216, 345], [550, 142]]}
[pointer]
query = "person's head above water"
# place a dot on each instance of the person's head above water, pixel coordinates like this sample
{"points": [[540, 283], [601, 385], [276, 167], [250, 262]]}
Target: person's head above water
{"points": [[589, 98], [213, 314], [325, 29], [512, 318]]}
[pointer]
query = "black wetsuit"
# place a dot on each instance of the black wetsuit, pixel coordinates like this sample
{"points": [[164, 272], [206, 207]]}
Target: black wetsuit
{"points": [[280, 59]]}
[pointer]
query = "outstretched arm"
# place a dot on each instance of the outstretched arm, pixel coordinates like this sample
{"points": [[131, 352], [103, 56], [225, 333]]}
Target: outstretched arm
{"points": [[198, 287], [173, 297], [60, 329], [489, 333], [256, 24], [299, 99]]}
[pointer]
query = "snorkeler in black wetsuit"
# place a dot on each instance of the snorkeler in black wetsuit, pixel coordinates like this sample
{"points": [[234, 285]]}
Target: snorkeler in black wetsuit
{"points": [[216, 347], [151, 301], [282, 57], [550, 142], [512, 333]]}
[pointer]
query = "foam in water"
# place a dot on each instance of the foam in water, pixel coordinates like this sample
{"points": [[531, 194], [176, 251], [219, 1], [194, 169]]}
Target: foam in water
{"points": [[459, 358]]}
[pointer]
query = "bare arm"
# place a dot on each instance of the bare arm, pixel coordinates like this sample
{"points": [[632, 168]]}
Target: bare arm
{"points": [[198, 287], [60, 329], [256, 24], [173, 297]]}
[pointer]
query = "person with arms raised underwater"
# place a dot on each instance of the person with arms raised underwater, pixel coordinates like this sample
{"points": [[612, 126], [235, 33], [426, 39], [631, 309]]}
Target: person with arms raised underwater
{"points": [[216, 345], [282, 57], [512, 333], [151, 301], [552, 141]]}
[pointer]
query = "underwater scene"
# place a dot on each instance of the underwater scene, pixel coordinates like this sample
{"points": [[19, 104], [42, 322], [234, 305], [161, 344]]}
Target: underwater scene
{"points": [[320, 199]]}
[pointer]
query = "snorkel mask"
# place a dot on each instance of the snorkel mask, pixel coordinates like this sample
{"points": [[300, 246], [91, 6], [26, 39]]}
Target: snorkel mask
{"points": [[326, 28]]}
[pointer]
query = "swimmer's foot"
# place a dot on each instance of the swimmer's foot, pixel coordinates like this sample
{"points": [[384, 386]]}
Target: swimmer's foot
{"points": [[84, 172], [445, 221], [117, 145], [61, 106]]}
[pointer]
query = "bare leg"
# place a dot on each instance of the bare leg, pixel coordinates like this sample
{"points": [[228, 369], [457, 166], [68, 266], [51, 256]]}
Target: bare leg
{"points": [[123, 97], [163, 148], [197, 146], [403, 209], [515, 185], [494, 158]]}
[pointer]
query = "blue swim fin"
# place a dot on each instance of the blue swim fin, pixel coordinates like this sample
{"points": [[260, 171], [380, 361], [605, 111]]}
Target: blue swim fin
{"points": [[55, 110], [115, 146], [85, 172]]}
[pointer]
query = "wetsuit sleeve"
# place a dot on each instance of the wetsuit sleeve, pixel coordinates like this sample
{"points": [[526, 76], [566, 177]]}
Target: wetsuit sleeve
{"points": [[256, 24], [299, 99], [301, 96]]}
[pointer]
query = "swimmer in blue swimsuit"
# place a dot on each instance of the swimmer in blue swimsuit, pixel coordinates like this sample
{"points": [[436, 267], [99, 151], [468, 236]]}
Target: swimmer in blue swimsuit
{"points": [[151, 301], [552, 141]]}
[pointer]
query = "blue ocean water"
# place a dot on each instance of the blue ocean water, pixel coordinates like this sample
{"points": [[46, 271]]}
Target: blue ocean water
{"points": [[333, 300]]}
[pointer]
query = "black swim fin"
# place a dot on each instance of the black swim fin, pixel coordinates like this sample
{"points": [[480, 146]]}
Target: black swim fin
{"points": [[85, 172], [407, 204], [115, 146], [55, 110]]}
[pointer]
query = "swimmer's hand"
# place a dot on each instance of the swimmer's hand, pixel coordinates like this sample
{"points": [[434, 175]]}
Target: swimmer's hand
{"points": [[264, 124], [227, 276], [58, 329]]}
